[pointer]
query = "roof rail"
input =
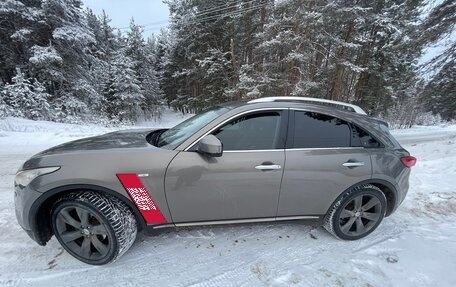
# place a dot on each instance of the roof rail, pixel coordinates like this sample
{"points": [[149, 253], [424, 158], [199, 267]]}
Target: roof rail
{"points": [[346, 106]]}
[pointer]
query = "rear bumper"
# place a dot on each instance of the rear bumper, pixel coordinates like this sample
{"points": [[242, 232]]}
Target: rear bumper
{"points": [[401, 187]]}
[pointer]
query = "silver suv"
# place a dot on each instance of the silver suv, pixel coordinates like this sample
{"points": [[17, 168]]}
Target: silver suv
{"points": [[269, 159]]}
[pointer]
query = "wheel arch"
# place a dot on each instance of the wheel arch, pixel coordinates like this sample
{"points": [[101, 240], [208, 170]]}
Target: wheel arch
{"points": [[386, 187], [40, 211]]}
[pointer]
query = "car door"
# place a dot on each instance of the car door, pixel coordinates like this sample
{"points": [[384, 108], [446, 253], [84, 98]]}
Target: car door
{"points": [[243, 183], [321, 162]]}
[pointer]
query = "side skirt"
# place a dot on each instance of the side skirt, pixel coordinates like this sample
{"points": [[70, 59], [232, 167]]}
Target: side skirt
{"points": [[237, 221]]}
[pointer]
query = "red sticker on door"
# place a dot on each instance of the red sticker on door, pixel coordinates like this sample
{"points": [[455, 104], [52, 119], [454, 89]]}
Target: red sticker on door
{"points": [[142, 199]]}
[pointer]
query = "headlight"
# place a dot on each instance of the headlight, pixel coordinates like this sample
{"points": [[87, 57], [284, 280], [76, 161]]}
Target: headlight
{"points": [[23, 178]]}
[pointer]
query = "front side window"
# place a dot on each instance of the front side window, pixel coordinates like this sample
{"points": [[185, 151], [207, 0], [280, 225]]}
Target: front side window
{"points": [[259, 131], [173, 137], [314, 130]]}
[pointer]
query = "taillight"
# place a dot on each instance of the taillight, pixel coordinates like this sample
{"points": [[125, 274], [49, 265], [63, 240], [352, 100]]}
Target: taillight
{"points": [[408, 161]]}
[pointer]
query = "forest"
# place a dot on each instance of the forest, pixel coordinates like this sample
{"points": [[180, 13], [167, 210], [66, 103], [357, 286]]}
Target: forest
{"points": [[61, 62]]}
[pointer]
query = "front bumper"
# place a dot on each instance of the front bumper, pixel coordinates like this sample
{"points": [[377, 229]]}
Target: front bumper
{"points": [[23, 201]]}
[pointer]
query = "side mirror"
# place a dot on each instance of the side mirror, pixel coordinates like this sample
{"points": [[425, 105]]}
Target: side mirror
{"points": [[211, 146]]}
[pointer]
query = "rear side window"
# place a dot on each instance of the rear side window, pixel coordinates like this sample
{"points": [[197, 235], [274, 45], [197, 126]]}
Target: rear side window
{"points": [[363, 139], [313, 130]]}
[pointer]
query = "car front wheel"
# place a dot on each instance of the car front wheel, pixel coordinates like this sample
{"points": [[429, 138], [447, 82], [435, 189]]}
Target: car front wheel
{"points": [[357, 213], [94, 228]]}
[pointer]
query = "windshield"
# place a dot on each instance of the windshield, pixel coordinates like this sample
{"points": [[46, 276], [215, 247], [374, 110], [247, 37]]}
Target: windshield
{"points": [[173, 137]]}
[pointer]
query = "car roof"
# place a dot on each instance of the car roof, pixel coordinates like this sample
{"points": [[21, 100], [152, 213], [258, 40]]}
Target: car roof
{"points": [[318, 101], [301, 100], [289, 102]]}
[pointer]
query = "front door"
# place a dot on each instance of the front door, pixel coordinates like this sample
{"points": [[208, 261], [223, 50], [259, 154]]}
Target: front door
{"points": [[244, 183]]}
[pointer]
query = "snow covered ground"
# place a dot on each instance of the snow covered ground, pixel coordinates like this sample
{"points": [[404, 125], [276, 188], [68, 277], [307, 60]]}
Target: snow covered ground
{"points": [[414, 247]]}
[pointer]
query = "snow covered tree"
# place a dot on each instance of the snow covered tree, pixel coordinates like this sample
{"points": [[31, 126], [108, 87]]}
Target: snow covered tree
{"points": [[359, 51], [142, 65], [164, 64], [123, 96], [215, 51], [26, 99], [109, 39], [196, 43], [440, 93], [5, 110], [21, 27], [439, 29], [45, 64], [68, 51]]}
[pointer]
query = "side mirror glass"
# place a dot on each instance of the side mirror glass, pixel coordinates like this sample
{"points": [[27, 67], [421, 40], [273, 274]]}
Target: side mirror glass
{"points": [[210, 145]]}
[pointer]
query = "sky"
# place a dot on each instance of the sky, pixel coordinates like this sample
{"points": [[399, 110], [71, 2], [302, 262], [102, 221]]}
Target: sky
{"points": [[153, 12]]}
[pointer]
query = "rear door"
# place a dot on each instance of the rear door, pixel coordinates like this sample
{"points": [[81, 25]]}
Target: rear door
{"points": [[321, 162], [243, 183]]}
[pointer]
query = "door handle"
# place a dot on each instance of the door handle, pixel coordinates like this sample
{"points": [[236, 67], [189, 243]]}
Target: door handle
{"points": [[353, 163], [268, 167]]}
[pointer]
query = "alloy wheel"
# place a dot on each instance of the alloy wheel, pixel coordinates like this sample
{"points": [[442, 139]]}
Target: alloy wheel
{"points": [[82, 232], [360, 214]]}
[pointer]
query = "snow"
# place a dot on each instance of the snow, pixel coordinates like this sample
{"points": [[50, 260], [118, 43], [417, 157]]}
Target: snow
{"points": [[420, 134], [21, 34], [416, 246], [73, 34], [45, 56]]}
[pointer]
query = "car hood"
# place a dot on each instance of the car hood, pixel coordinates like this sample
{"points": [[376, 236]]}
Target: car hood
{"points": [[120, 139]]}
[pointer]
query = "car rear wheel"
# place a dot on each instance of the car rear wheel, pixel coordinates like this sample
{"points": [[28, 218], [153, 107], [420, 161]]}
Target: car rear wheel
{"points": [[94, 228], [357, 213]]}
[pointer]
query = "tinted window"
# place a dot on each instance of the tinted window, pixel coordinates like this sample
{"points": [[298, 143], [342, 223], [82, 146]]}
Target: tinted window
{"points": [[313, 130], [251, 132], [178, 134], [362, 138], [387, 137]]}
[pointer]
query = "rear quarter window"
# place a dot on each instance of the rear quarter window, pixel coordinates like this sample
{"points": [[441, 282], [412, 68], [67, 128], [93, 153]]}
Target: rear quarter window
{"points": [[387, 137], [361, 138]]}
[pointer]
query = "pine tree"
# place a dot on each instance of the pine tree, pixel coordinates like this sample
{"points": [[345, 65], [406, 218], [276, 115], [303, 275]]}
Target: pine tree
{"points": [[123, 96], [165, 64], [22, 26], [440, 93], [359, 52], [109, 40], [215, 51], [26, 99], [136, 50], [5, 110]]}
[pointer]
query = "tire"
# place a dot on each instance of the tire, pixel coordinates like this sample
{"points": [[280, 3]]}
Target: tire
{"points": [[357, 213], [96, 229]]}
